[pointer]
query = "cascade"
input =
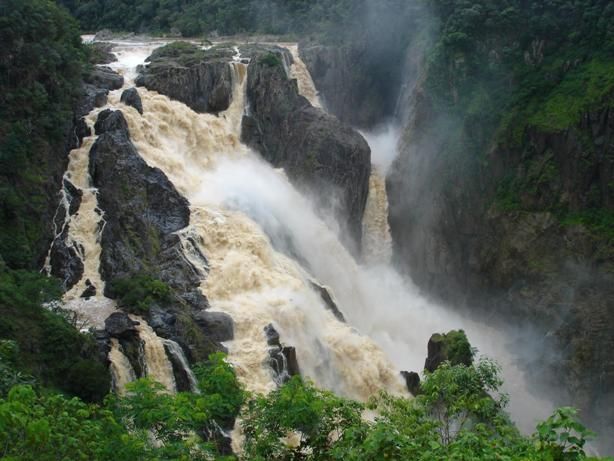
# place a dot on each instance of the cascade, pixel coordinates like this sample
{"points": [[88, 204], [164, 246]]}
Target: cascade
{"points": [[121, 369], [299, 71], [157, 365], [247, 278], [242, 212], [176, 352]]}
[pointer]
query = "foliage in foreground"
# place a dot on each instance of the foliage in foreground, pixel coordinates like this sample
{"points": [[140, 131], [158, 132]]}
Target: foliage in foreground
{"points": [[458, 416]]}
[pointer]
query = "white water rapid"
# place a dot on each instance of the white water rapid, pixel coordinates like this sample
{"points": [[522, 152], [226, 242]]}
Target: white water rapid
{"points": [[244, 213]]}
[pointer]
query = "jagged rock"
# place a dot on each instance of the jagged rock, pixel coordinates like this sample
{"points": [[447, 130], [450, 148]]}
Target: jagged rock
{"points": [[348, 78], [119, 325], [90, 290], [291, 360], [203, 80], [131, 97], [82, 130], [162, 321], [329, 302], [282, 359], [106, 78], [111, 120], [319, 153], [272, 336], [143, 212], [93, 96], [412, 381], [216, 325], [66, 265]]}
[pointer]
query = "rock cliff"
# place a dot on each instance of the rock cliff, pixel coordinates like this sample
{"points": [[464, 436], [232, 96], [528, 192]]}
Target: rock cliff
{"points": [[318, 152], [203, 80]]}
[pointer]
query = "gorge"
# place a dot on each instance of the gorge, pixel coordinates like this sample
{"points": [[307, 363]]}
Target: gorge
{"points": [[320, 209]]}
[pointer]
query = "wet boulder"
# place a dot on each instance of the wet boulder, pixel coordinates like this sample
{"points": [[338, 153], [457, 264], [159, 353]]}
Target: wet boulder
{"points": [[106, 78], [110, 120], [412, 381], [217, 326], [131, 97], [120, 325]]}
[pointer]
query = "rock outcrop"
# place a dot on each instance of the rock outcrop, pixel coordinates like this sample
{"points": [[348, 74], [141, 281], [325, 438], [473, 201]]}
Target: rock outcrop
{"points": [[320, 154], [143, 212], [504, 235], [451, 347], [105, 77], [64, 261], [131, 97], [282, 359], [203, 80]]}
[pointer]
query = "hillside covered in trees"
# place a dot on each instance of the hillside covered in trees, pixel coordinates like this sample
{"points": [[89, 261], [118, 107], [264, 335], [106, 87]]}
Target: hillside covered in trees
{"points": [[497, 73]]}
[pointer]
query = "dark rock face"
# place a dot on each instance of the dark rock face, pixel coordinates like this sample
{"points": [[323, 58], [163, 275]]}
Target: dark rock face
{"points": [[358, 81], [64, 260], [119, 325], [319, 153], [455, 239], [282, 359], [412, 381], [131, 97], [201, 80], [216, 325], [452, 346], [82, 130], [329, 302], [143, 212], [110, 120], [106, 78]]}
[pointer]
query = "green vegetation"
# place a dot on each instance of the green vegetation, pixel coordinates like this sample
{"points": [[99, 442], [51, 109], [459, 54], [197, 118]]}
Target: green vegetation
{"points": [[271, 60], [197, 17], [459, 415], [137, 294], [455, 347], [501, 71], [43, 343], [146, 424], [41, 63]]}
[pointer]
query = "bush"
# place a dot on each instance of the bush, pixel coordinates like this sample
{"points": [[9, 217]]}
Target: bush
{"points": [[270, 60], [137, 294]]}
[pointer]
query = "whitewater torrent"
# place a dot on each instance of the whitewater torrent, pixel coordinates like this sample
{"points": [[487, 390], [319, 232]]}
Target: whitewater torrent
{"points": [[242, 210], [298, 70], [157, 365], [121, 369], [247, 278]]}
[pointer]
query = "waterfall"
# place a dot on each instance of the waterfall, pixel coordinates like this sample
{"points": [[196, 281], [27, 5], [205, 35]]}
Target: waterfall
{"points": [[299, 71], [176, 352], [247, 278], [157, 365], [121, 370], [243, 213]]}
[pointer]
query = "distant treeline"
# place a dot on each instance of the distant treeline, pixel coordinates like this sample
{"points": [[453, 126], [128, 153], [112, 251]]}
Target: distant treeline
{"points": [[197, 17]]}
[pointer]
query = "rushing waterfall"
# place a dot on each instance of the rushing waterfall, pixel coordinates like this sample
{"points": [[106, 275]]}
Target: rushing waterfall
{"points": [[299, 71], [244, 212], [247, 278], [121, 369], [176, 352], [157, 365]]}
